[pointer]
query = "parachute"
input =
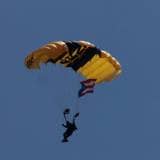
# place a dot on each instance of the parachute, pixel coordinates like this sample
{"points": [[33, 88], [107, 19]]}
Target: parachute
{"points": [[82, 56]]}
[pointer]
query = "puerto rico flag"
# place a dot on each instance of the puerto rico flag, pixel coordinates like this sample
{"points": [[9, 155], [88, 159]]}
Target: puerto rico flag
{"points": [[87, 87]]}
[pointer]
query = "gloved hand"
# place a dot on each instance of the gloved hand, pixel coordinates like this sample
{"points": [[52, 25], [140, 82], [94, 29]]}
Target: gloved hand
{"points": [[76, 115], [66, 111]]}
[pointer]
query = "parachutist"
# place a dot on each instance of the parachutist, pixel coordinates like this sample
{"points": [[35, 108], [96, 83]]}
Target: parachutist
{"points": [[70, 126]]}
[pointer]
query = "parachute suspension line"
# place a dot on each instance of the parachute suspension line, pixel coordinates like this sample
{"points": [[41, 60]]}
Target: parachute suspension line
{"points": [[77, 104], [65, 94], [69, 98], [65, 99], [77, 99]]}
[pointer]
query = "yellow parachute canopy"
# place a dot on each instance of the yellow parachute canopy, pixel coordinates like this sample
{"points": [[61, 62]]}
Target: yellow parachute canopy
{"points": [[83, 57]]}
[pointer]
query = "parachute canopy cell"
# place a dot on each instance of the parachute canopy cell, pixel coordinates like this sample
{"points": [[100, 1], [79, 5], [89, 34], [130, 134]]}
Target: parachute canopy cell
{"points": [[82, 56]]}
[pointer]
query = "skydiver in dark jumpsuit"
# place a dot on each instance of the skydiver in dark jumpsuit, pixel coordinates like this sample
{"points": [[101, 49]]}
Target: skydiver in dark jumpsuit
{"points": [[70, 126]]}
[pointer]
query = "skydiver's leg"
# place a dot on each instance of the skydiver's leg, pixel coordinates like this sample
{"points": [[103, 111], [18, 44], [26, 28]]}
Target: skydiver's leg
{"points": [[64, 140], [65, 136]]}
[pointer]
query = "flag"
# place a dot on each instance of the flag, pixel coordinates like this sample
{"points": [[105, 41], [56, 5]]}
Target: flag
{"points": [[87, 87]]}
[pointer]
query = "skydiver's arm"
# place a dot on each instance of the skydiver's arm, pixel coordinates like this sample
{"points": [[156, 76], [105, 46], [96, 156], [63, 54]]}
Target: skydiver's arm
{"points": [[65, 118], [74, 121], [75, 116]]}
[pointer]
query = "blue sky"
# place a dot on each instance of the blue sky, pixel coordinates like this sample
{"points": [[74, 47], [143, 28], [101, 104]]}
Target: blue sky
{"points": [[120, 120]]}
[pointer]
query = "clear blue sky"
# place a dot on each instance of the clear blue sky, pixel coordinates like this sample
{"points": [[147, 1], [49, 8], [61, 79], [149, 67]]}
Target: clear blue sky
{"points": [[120, 121]]}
